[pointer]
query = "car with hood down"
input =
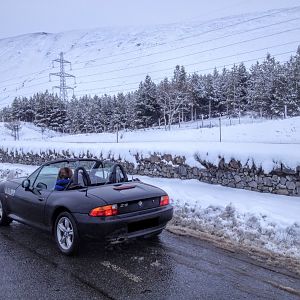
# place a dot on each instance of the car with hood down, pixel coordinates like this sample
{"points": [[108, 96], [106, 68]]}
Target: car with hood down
{"points": [[97, 202]]}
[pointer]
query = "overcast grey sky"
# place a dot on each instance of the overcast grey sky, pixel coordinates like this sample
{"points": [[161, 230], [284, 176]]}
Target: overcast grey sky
{"points": [[26, 16]]}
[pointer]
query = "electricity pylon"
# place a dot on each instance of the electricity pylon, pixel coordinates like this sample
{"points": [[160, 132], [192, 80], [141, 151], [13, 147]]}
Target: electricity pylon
{"points": [[63, 75]]}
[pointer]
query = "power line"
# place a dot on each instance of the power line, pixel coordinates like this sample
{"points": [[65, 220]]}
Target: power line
{"points": [[167, 69], [244, 61], [201, 70], [155, 62], [235, 4], [192, 64], [37, 84], [242, 22], [182, 47], [191, 36], [26, 87], [154, 46], [190, 54], [26, 75], [23, 83], [147, 64], [186, 46]]}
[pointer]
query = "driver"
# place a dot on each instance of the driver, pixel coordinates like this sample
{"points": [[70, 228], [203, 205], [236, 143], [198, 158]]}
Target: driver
{"points": [[64, 178]]}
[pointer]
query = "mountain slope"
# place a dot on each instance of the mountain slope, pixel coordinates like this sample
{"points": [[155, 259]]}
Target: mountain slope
{"points": [[111, 60]]}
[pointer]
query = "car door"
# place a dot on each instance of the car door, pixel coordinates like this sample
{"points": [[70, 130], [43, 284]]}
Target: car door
{"points": [[30, 203], [15, 201]]}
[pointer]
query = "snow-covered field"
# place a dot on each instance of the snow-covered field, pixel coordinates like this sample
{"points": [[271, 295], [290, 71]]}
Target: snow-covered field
{"points": [[285, 131], [267, 144], [27, 132], [251, 219]]}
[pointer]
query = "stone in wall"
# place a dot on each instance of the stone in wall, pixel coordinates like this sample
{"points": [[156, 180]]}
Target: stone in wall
{"points": [[281, 180]]}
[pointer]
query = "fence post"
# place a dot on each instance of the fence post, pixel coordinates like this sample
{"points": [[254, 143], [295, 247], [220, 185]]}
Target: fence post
{"points": [[117, 134], [285, 111], [220, 128]]}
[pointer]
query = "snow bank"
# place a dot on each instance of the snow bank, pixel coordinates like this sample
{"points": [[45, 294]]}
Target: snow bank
{"points": [[268, 156], [9, 171], [266, 221]]}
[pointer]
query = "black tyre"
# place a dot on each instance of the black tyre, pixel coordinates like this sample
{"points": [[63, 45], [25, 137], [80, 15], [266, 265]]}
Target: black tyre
{"points": [[4, 219], [66, 234]]}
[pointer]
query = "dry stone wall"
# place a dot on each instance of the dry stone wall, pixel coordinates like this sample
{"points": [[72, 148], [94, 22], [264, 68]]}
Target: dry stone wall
{"points": [[233, 174]]}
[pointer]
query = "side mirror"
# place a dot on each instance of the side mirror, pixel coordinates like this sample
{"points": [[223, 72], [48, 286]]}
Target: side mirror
{"points": [[41, 186], [26, 184]]}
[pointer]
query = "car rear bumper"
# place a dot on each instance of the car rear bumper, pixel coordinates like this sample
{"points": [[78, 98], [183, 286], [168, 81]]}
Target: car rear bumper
{"points": [[126, 226]]}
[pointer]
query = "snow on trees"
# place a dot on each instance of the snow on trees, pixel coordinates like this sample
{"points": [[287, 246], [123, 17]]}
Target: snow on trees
{"points": [[269, 89]]}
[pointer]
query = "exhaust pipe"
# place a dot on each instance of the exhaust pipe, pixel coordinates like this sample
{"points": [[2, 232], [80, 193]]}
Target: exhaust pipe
{"points": [[117, 240]]}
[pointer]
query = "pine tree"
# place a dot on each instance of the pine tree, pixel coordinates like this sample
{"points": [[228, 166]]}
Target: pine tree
{"points": [[198, 90], [242, 78], [281, 91], [208, 95], [292, 99], [225, 92], [261, 86], [147, 107]]}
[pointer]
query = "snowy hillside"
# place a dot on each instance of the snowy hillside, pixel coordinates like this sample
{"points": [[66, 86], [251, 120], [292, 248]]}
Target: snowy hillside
{"points": [[27, 132], [111, 60], [262, 131]]}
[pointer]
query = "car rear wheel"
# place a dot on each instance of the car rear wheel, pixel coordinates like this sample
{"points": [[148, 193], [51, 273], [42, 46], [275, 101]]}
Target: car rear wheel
{"points": [[4, 219], [66, 234]]}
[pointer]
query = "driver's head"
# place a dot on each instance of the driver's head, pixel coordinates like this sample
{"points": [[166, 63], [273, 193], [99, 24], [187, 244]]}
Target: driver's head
{"points": [[65, 173]]}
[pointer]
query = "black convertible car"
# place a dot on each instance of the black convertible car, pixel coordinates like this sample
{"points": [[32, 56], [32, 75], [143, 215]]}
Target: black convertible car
{"points": [[97, 201]]}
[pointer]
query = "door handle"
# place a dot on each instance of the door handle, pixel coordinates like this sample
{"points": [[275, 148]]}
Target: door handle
{"points": [[41, 199]]}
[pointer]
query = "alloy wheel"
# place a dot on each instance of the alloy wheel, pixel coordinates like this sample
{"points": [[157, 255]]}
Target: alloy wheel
{"points": [[65, 233]]}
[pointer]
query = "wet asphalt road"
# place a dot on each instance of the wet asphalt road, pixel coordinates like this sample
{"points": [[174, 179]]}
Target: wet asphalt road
{"points": [[169, 267]]}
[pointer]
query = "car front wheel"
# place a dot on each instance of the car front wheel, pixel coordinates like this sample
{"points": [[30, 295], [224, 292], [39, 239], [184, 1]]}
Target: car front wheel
{"points": [[4, 219], [66, 234]]}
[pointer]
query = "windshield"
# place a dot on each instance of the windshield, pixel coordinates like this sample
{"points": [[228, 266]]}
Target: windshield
{"points": [[98, 171], [64, 175]]}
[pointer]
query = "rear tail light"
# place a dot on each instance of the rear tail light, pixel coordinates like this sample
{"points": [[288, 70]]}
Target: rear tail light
{"points": [[164, 200], [104, 211]]}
